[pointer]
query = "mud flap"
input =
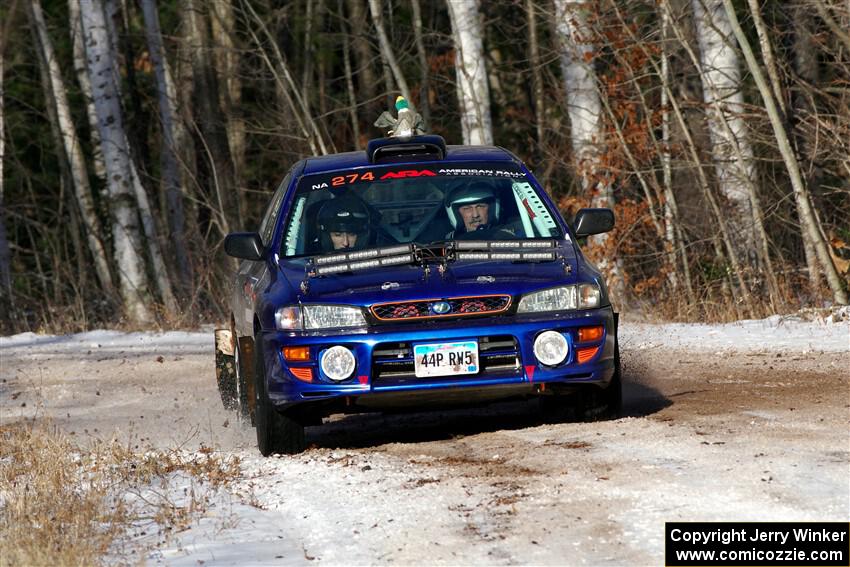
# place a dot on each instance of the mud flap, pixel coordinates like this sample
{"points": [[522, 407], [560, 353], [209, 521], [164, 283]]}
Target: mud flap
{"points": [[225, 368]]}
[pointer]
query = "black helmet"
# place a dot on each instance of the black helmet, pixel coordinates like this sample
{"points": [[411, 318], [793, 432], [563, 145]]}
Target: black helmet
{"points": [[343, 214], [475, 192]]}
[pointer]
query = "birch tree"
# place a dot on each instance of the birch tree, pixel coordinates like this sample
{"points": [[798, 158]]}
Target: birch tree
{"points": [[473, 92], [79, 54], [170, 173], [127, 239], [71, 147], [808, 218], [584, 106], [734, 165]]}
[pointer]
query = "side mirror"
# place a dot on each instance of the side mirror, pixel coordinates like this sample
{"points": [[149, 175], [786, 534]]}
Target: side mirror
{"points": [[593, 221], [244, 245]]}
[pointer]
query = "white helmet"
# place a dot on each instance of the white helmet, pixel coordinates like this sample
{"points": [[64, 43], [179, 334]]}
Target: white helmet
{"points": [[475, 192]]}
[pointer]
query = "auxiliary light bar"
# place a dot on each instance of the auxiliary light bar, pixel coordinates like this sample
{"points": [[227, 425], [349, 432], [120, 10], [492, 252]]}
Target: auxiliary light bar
{"points": [[502, 244], [505, 255], [363, 254], [363, 264]]}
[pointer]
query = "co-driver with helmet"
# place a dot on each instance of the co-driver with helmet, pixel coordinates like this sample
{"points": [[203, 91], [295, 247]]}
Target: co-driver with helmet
{"points": [[343, 224]]}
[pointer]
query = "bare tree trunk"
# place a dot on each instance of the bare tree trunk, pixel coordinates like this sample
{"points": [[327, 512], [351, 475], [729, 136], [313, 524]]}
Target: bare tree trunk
{"points": [[227, 61], [217, 169], [808, 219], [72, 148], [583, 103], [424, 87], [170, 172], [308, 53], [5, 255], [471, 72], [283, 77], [805, 64], [366, 79], [125, 229], [536, 78], [720, 72], [349, 83], [387, 50], [76, 28]]}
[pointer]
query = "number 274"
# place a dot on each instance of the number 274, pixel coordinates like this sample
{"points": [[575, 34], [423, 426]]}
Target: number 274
{"points": [[351, 178]]}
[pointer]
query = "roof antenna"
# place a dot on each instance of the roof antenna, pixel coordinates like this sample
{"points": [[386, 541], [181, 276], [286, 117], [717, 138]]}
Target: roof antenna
{"points": [[408, 123]]}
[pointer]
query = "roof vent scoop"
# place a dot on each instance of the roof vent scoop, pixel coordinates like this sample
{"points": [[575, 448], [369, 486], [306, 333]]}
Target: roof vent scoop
{"points": [[415, 148]]}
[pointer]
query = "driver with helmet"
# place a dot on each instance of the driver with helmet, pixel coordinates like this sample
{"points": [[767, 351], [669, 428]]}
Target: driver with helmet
{"points": [[473, 211], [343, 224]]}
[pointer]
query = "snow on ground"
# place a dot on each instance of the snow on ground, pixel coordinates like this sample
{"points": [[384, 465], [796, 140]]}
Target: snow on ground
{"points": [[776, 333], [111, 341], [583, 494]]}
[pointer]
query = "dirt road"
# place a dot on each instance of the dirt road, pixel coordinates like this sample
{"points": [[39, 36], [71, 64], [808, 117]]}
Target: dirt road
{"points": [[708, 436]]}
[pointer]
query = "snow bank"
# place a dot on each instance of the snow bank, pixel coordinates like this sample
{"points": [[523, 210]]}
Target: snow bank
{"points": [[776, 333], [111, 341]]}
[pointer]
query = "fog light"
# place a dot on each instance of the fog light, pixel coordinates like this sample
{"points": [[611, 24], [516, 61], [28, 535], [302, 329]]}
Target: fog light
{"points": [[551, 348], [338, 363]]}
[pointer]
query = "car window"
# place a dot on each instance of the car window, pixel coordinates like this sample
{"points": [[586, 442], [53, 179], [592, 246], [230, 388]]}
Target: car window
{"points": [[389, 205], [273, 212]]}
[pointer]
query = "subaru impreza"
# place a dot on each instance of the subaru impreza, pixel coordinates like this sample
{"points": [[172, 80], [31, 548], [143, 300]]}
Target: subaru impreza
{"points": [[414, 275]]}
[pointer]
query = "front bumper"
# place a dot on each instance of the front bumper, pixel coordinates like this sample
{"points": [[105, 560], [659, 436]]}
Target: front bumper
{"points": [[384, 360]]}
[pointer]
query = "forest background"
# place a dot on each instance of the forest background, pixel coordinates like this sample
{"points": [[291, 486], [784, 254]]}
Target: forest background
{"points": [[135, 134]]}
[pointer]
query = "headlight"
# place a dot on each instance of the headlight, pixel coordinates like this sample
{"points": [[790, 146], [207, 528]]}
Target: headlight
{"points": [[318, 317], [332, 316], [564, 298]]}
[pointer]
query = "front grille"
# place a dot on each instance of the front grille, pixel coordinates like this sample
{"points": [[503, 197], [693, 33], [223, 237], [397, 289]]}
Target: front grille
{"points": [[457, 307], [393, 362]]}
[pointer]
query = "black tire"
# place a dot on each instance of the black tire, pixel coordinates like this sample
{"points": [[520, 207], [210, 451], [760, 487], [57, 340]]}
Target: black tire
{"points": [[591, 403], [241, 405], [225, 374], [595, 404], [276, 432]]}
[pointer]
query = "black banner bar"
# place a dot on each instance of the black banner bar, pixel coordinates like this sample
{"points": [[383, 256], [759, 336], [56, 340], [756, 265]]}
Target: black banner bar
{"points": [[763, 544]]}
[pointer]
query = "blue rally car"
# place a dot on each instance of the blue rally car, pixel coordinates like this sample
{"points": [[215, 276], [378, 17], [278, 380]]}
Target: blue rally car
{"points": [[414, 275]]}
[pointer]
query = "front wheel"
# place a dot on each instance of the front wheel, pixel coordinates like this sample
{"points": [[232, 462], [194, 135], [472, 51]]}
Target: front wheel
{"points": [[596, 404], [276, 432]]}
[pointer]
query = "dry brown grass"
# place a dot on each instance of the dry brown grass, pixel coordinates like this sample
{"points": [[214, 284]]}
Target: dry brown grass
{"points": [[62, 504]]}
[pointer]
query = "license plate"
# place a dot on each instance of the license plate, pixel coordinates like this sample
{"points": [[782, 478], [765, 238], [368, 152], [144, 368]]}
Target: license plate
{"points": [[445, 359]]}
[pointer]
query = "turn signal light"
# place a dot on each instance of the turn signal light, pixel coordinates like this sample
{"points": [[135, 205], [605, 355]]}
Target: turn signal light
{"points": [[585, 354], [587, 334], [296, 354], [303, 374]]}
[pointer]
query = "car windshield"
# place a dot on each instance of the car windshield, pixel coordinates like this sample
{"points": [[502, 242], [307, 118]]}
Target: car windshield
{"points": [[388, 205]]}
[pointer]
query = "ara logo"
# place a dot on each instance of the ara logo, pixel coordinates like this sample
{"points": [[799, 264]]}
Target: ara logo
{"points": [[408, 173], [441, 307]]}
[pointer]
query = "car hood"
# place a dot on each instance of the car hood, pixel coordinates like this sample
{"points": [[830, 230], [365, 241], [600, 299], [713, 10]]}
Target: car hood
{"points": [[409, 282]]}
